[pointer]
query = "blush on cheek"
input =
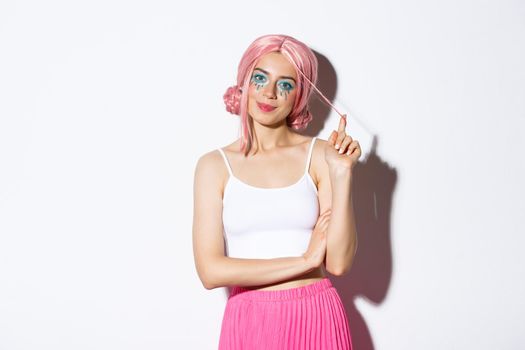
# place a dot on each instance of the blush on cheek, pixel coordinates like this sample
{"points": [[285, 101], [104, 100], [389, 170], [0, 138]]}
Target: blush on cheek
{"points": [[252, 107]]}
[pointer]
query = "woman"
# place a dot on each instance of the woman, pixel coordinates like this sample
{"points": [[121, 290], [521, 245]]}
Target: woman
{"points": [[280, 232]]}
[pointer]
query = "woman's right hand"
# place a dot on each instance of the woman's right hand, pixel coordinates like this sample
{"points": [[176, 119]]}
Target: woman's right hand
{"points": [[316, 251]]}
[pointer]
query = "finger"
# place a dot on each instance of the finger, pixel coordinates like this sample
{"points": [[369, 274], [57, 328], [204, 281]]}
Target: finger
{"points": [[326, 218], [340, 137], [351, 149], [324, 215], [354, 147], [323, 220], [322, 224], [327, 211], [342, 123], [332, 138], [347, 141]]}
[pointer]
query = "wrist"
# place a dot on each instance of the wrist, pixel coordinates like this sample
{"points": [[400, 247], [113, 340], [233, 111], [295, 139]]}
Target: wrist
{"points": [[306, 264], [340, 173], [341, 181]]}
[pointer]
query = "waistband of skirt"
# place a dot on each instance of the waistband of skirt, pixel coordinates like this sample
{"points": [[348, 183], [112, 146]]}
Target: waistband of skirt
{"points": [[281, 294]]}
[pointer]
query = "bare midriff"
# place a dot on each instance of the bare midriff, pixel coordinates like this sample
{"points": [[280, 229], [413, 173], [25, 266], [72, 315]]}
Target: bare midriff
{"points": [[303, 280]]}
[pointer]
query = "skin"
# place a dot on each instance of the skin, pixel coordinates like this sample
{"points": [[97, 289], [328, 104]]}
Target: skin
{"points": [[277, 160]]}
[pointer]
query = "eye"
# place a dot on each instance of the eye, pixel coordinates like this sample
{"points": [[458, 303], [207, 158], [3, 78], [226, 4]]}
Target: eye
{"points": [[258, 78], [286, 86]]}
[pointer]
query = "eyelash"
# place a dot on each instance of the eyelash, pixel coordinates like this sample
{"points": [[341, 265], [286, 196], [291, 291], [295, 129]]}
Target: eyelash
{"points": [[284, 86], [288, 88], [258, 82]]}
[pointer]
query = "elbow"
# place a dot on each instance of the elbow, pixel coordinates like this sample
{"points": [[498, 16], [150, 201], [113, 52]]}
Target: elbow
{"points": [[342, 270], [207, 282], [342, 266], [338, 271], [204, 277], [208, 276], [209, 286]]}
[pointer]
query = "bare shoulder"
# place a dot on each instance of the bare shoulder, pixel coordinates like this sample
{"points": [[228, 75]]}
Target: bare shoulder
{"points": [[210, 171], [208, 162], [319, 167], [321, 175]]}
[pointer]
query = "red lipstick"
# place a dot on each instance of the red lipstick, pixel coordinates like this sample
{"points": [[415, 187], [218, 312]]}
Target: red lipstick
{"points": [[264, 107]]}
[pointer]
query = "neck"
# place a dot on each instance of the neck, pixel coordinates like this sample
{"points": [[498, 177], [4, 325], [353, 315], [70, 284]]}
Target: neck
{"points": [[268, 138]]}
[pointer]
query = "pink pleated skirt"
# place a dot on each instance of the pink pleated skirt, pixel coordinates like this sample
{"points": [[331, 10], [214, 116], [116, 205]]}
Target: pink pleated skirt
{"points": [[308, 317]]}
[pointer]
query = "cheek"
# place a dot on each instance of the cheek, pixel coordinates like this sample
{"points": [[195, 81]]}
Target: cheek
{"points": [[252, 106], [252, 96], [289, 97], [252, 91]]}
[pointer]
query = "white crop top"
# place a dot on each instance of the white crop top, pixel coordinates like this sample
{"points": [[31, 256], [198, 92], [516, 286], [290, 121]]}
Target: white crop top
{"points": [[265, 223]]}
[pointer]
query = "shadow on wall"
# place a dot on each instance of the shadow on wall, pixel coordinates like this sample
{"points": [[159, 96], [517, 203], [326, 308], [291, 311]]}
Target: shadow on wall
{"points": [[371, 271], [372, 191]]}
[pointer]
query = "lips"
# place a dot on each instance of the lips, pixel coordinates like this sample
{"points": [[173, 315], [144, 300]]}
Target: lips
{"points": [[264, 107]]}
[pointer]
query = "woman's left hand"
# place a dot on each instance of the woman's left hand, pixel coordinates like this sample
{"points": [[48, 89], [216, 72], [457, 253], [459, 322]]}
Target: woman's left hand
{"points": [[344, 156]]}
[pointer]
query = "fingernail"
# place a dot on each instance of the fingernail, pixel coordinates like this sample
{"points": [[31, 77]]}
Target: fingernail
{"points": [[337, 146], [340, 151]]}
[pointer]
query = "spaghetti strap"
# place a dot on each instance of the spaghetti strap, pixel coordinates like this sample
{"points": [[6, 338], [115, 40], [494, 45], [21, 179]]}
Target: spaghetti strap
{"points": [[309, 155], [225, 161]]}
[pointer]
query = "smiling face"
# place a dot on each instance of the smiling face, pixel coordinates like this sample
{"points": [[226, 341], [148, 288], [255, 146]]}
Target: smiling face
{"points": [[273, 89]]}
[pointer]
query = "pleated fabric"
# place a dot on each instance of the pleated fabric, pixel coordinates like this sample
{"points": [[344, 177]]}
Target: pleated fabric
{"points": [[308, 317]]}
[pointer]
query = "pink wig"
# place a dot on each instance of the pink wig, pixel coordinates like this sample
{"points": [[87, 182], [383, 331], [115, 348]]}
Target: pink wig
{"points": [[305, 63]]}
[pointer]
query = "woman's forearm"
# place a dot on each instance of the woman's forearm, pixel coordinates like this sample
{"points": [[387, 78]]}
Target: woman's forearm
{"points": [[226, 271], [342, 235]]}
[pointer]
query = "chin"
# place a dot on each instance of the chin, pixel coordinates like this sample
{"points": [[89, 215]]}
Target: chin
{"points": [[270, 123]]}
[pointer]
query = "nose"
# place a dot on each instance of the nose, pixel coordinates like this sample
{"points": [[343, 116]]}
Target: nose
{"points": [[269, 91]]}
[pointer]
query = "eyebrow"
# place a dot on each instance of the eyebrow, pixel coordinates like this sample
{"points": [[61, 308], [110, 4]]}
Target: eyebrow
{"points": [[282, 76]]}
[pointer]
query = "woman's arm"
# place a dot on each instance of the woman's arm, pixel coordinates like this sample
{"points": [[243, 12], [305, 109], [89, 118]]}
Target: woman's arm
{"points": [[225, 271], [341, 243], [335, 193], [213, 267]]}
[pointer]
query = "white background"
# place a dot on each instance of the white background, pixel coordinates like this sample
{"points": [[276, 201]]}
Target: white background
{"points": [[105, 107]]}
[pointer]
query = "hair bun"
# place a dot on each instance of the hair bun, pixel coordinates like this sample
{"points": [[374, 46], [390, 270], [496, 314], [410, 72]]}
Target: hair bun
{"points": [[232, 99]]}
